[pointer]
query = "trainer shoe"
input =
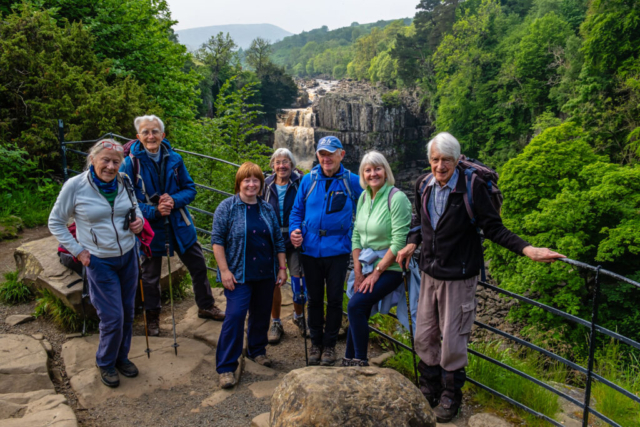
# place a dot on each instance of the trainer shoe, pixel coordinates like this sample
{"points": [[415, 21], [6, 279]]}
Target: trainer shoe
{"points": [[262, 360], [328, 356], [357, 362], [127, 368], [227, 380], [346, 362], [275, 333], [314, 355], [212, 312], [109, 376]]}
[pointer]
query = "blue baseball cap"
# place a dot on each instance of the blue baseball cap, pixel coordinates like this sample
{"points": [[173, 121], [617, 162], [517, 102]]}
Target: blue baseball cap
{"points": [[329, 143]]}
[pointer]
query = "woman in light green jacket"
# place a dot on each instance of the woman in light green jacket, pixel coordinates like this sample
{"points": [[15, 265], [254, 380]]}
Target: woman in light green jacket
{"points": [[380, 231]]}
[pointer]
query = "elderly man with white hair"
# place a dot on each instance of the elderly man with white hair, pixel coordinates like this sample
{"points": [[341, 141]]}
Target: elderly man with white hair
{"points": [[450, 261], [164, 188]]}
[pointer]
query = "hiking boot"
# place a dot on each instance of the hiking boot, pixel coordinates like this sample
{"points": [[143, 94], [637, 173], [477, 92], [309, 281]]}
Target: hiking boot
{"points": [[362, 363], [227, 380], [299, 322], [328, 356], [212, 312], [430, 383], [109, 376], [314, 355], [153, 323], [451, 398], [346, 362], [262, 360], [275, 333], [127, 368]]}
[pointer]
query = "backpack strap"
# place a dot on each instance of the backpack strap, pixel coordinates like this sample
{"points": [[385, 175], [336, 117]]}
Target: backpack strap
{"points": [[393, 191], [314, 181], [135, 165], [470, 177]]}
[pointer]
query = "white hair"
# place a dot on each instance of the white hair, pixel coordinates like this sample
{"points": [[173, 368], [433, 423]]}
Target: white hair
{"points": [[143, 119], [446, 144], [97, 148], [374, 158], [282, 152]]}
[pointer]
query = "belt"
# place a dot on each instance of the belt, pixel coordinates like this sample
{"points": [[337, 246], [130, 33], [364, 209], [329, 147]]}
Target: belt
{"points": [[327, 233]]}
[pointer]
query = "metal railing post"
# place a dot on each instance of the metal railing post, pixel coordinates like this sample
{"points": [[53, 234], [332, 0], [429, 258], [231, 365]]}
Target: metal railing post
{"points": [[592, 348], [63, 148]]}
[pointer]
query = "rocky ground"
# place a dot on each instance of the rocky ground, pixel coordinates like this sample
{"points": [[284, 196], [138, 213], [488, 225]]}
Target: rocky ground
{"points": [[171, 391]]}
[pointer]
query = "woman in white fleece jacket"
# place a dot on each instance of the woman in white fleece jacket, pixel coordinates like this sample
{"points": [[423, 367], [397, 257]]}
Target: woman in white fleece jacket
{"points": [[106, 246]]}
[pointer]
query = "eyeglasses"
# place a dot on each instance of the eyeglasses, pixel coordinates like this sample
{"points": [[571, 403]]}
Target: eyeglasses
{"points": [[281, 162], [111, 146], [147, 132]]}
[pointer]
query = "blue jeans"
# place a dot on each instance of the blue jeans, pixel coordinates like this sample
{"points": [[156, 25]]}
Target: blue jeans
{"points": [[257, 298], [112, 290], [359, 310]]}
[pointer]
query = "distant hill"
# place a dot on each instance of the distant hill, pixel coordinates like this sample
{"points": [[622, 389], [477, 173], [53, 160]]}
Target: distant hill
{"points": [[242, 34]]}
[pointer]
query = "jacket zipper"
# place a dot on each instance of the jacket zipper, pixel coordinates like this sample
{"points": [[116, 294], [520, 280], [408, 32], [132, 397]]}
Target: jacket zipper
{"points": [[115, 229]]}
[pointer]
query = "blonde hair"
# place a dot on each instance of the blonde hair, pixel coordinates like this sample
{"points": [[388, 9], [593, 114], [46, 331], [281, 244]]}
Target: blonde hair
{"points": [[248, 169], [375, 158], [98, 147]]}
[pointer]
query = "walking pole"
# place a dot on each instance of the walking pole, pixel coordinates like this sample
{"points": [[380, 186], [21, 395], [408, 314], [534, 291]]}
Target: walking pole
{"points": [[304, 325], [82, 297], [413, 350], [173, 314], [144, 312]]}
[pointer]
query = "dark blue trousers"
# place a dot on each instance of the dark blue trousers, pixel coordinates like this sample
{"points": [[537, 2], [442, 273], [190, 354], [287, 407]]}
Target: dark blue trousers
{"points": [[359, 311], [112, 289], [255, 297]]}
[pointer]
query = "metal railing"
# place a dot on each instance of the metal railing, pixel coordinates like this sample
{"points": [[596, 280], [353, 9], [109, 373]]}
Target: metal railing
{"points": [[592, 325]]}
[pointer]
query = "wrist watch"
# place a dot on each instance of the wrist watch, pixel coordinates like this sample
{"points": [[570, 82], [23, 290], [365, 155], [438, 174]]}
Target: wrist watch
{"points": [[378, 269]]}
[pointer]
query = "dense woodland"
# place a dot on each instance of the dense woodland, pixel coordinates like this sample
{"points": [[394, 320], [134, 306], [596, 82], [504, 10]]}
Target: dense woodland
{"points": [[547, 91]]}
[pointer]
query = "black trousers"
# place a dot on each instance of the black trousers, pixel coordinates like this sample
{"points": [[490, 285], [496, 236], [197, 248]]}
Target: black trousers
{"points": [[318, 272], [193, 259]]}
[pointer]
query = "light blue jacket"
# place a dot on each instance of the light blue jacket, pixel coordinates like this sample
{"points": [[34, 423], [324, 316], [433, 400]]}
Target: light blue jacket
{"points": [[230, 230], [398, 297], [325, 217]]}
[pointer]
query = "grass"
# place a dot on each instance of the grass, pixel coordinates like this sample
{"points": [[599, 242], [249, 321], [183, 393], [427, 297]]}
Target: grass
{"points": [[51, 307], [13, 291], [180, 290], [32, 204]]}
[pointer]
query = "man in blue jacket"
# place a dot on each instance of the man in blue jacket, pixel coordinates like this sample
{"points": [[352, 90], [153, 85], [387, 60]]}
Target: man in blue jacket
{"points": [[164, 188], [321, 222]]}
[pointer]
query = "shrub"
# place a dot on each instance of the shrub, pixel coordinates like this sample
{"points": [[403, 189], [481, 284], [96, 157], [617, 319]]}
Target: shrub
{"points": [[51, 307], [13, 291], [391, 99]]}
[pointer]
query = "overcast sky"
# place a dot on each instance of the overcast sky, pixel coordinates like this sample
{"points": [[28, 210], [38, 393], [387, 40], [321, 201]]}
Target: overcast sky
{"points": [[293, 16]]}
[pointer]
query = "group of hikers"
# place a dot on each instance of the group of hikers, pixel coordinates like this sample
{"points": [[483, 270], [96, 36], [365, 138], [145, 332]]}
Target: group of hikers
{"points": [[310, 225]]}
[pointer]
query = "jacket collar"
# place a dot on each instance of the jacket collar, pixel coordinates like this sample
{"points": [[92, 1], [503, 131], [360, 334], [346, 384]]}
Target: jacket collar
{"points": [[321, 174], [271, 179]]}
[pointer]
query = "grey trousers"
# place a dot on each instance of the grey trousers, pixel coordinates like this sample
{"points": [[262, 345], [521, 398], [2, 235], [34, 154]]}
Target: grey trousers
{"points": [[193, 259], [446, 312]]}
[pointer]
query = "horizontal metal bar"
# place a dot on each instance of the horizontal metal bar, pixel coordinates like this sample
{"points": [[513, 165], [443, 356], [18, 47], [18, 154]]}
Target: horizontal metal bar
{"points": [[603, 418], [388, 337], [561, 313], [514, 402], [528, 377], [204, 231], [602, 271], [71, 170], [199, 210], [537, 304], [71, 150], [616, 387], [207, 249], [533, 347], [206, 157], [215, 190]]}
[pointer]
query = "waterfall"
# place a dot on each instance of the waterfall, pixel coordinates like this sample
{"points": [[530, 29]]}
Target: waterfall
{"points": [[295, 131]]}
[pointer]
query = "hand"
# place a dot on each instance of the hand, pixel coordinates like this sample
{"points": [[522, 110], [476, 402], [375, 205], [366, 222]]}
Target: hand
{"points": [[282, 278], [541, 254], [405, 254], [369, 282], [358, 280], [296, 237], [228, 280], [136, 226], [167, 200], [84, 257], [164, 209]]}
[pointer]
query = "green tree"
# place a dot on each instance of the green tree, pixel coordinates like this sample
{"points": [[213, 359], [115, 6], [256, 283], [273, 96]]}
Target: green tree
{"points": [[257, 56]]}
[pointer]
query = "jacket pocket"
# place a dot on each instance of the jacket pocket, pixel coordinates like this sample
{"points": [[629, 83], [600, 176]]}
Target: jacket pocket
{"points": [[337, 200], [94, 237], [468, 316]]}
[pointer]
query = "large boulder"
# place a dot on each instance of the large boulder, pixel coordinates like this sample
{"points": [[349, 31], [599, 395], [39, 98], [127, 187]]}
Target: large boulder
{"points": [[39, 267], [355, 397], [23, 365]]}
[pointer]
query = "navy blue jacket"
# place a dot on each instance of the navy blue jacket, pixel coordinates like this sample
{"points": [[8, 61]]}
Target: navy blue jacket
{"points": [[326, 216], [178, 184], [229, 230], [270, 195]]}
